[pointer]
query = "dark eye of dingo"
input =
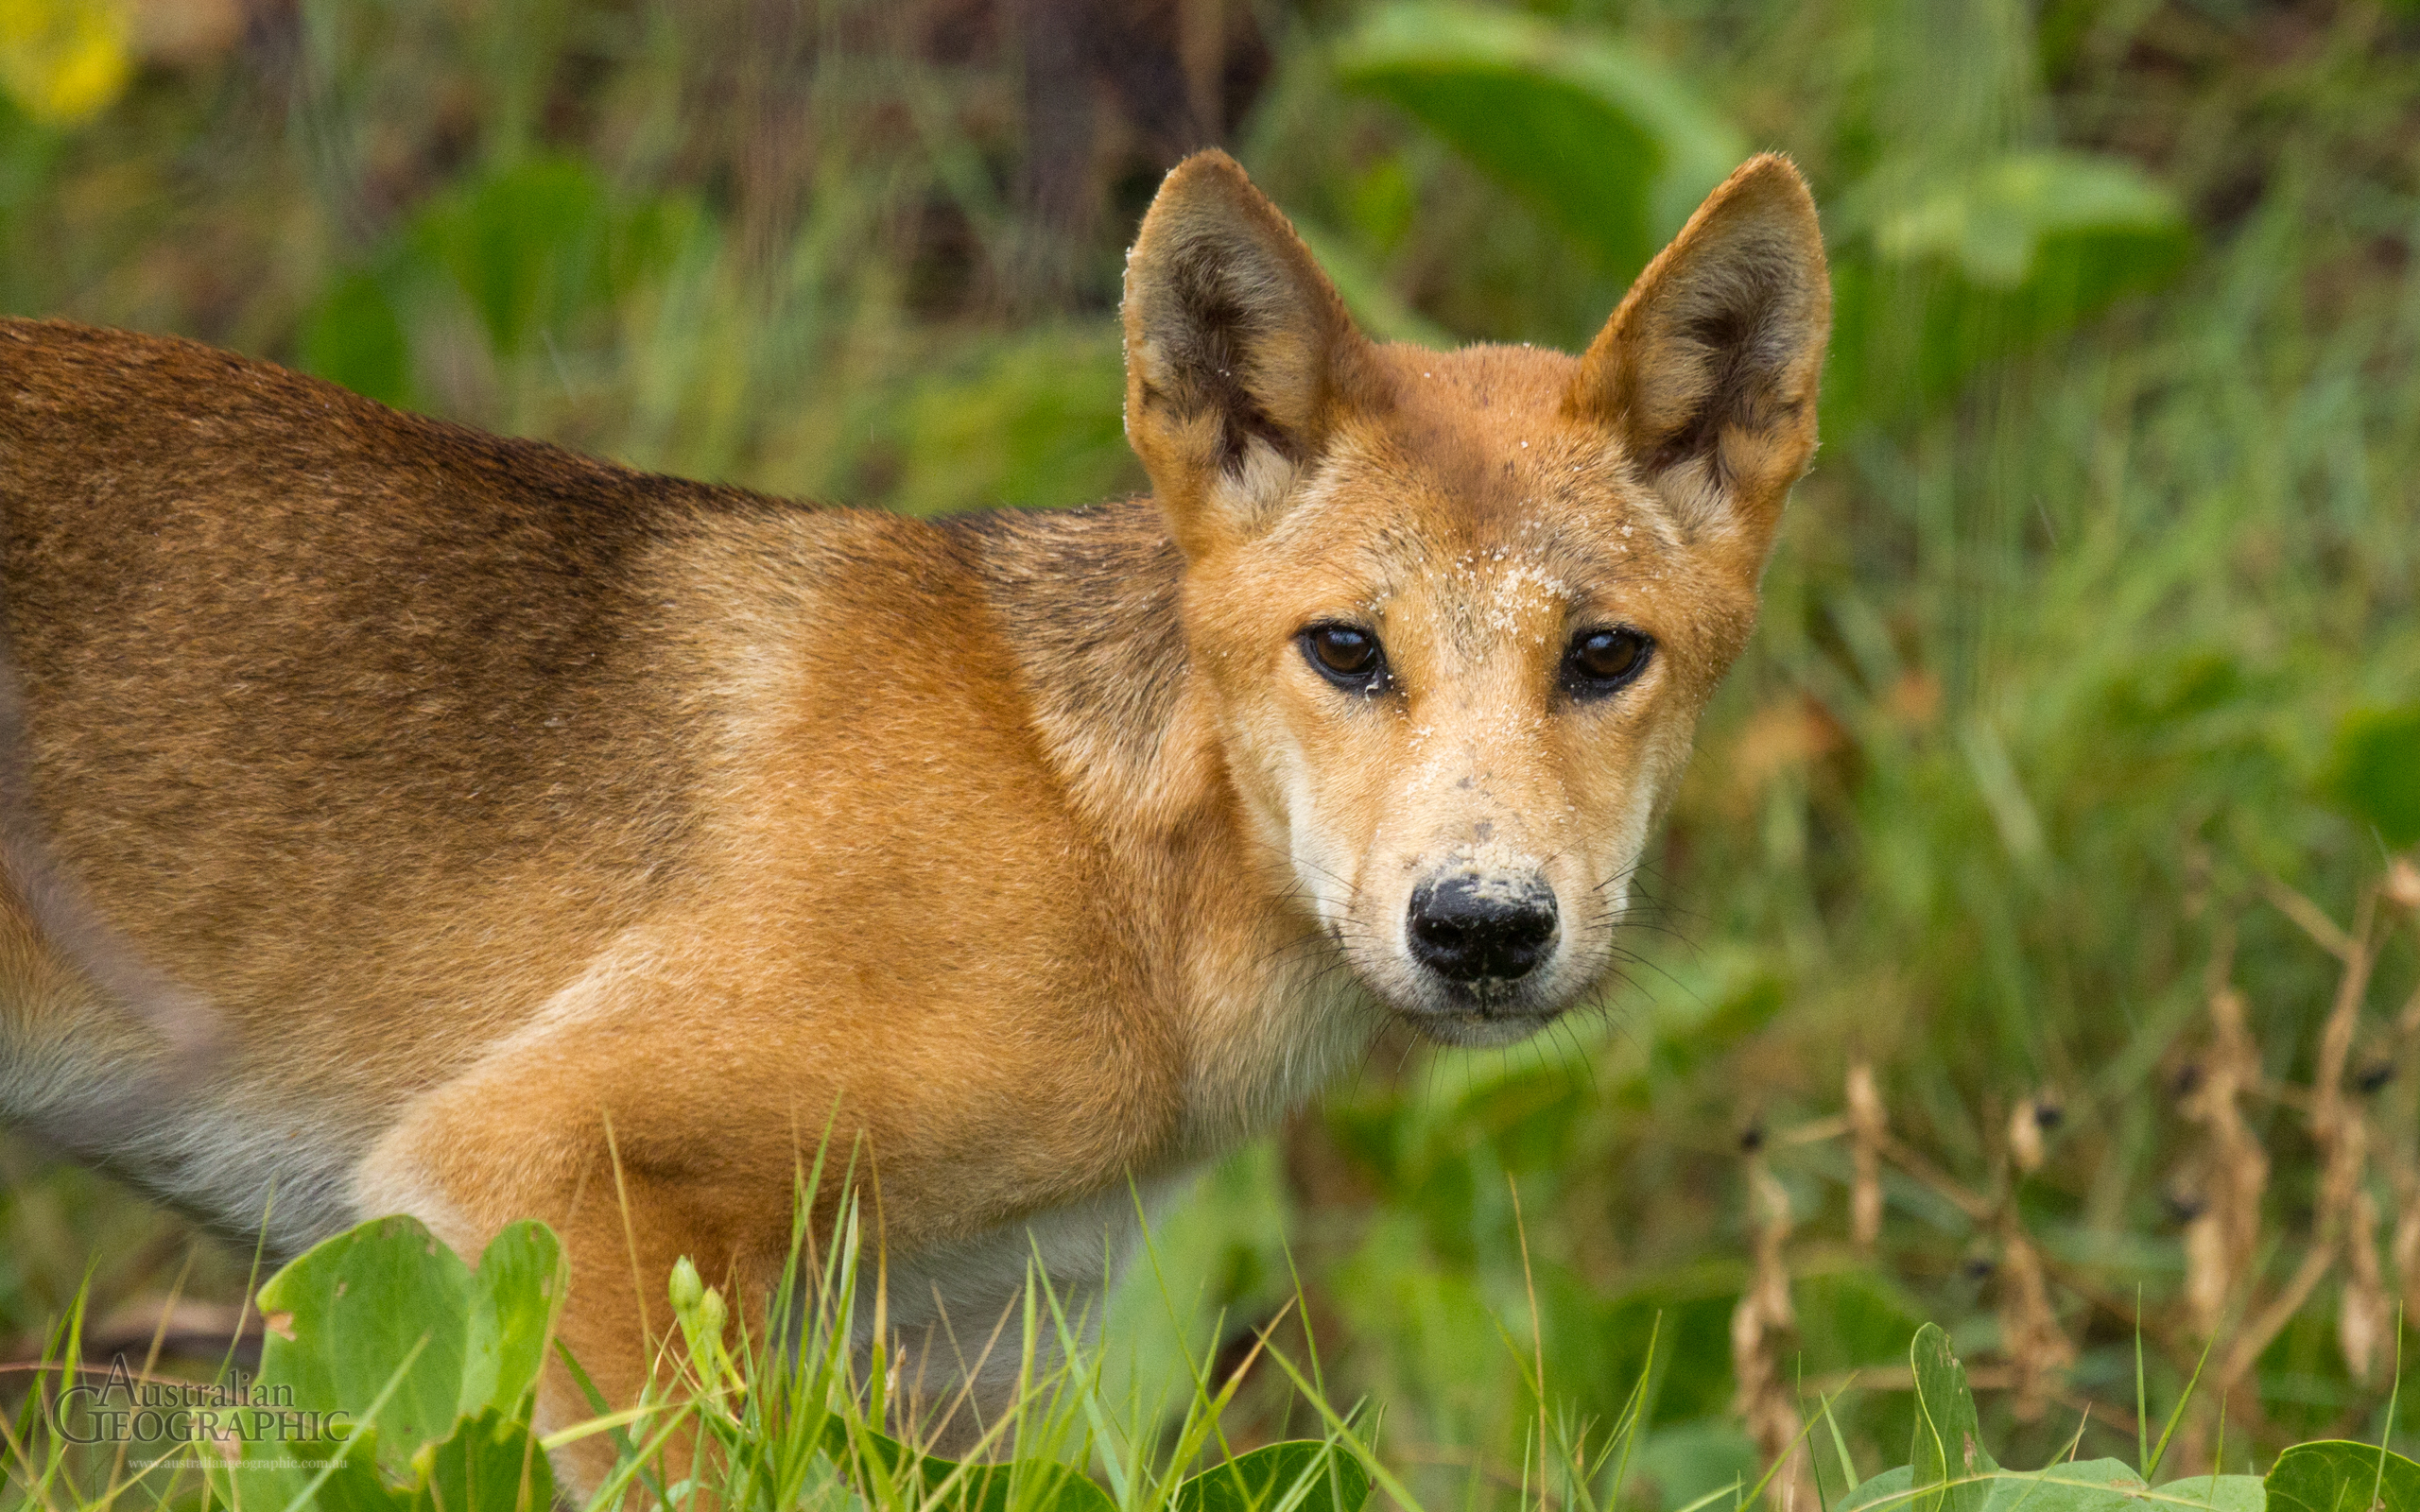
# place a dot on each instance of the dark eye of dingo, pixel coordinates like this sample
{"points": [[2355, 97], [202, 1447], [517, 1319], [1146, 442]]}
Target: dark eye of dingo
{"points": [[1346, 656], [1601, 661]]}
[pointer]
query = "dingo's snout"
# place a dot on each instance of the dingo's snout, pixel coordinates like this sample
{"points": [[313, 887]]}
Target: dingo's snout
{"points": [[1473, 929]]}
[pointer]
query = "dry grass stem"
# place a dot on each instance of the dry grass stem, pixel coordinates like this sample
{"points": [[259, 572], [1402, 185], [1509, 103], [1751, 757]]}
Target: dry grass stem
{"points": [[1868, 1130], [2406, 1237], [2364, 1314], [2221, 1242], [2313, 918], [2038, 1351], [2222, 1235], [1759, 1324], [2025, 1135], [2341, 1134], [2402, 885]]}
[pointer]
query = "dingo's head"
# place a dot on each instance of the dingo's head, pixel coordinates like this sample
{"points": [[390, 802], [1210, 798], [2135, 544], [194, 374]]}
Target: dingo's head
{"points": [[1459, 611]]}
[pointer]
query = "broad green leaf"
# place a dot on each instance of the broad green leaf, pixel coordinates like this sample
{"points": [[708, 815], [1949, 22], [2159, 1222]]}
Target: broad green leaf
{"points": [[1948, 1449], [341, 1321], [1311, 1475], [517, 1291], [1603, 141], [2376, 771], [2336, 1475], [1030, 1484], [491, 1464], [1689, 1462], [1891, 1489], [274, 1474], [1997, 223], [1934, 279], [1069, 1492], [384, 1311], [2085, 1486], [1688, 1311], [2107, 1485], [2212, 1493], [354, 337], [530, 247]]}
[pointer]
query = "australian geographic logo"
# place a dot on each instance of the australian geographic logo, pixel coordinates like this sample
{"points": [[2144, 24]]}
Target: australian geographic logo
{"points": [[122, 1406]]}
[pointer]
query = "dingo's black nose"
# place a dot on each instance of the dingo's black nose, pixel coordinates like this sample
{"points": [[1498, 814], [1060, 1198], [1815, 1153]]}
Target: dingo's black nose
{"points": [[1467, 928]]}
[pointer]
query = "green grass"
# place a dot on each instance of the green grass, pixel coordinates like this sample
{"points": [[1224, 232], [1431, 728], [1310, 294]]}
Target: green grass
{"points": [[396, 1376], [2072, 651]]}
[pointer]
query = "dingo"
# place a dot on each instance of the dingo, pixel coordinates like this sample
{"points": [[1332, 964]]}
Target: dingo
{"points": [[405, 820]]}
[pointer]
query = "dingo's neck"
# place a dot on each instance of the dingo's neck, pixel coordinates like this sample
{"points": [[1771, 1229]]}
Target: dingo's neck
{"points": [[1089, 602]]}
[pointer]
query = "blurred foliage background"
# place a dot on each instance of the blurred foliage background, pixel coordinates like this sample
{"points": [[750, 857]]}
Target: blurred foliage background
{"points": [[2087, 695]]}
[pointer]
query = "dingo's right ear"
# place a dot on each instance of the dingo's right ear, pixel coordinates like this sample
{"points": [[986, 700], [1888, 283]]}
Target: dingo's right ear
{"points": [[1708, 370], [1238, 353]]}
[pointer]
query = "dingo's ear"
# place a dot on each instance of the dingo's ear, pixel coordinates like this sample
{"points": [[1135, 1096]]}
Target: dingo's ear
{"points": [[1238, 352], [1708, 370]]}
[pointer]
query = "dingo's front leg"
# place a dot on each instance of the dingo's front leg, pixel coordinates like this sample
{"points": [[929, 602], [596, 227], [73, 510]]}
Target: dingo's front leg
{"points": [[635, 1161], [656, 1127]]}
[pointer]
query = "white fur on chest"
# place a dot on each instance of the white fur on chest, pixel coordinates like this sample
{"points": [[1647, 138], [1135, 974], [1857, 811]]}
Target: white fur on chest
{"points": [[1260, 1054]]}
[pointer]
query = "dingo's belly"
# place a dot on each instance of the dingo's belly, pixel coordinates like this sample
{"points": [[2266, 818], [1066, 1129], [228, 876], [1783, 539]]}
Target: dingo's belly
{"points": [[134, 1075]]}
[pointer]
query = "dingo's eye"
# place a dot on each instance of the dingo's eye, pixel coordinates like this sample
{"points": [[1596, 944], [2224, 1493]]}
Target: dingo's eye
{"points": [[1600, 661], [1347, 657]]}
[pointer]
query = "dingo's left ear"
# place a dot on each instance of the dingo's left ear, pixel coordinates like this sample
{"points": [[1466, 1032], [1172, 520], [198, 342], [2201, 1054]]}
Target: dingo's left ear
{"points": [[1708, 370], [1238, 352]]}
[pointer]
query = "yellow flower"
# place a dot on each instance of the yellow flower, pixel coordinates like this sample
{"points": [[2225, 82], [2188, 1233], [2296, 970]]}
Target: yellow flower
{"points": [[61, 61]]}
